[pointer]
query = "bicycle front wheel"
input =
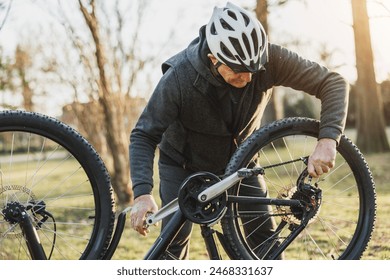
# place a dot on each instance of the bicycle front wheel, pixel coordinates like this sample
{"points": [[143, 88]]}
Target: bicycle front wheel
{"points": [[343, 223], [53, 174]]}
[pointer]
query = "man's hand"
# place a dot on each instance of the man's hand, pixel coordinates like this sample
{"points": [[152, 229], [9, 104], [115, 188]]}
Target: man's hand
{"points": [[142, 205], [323, 158]]}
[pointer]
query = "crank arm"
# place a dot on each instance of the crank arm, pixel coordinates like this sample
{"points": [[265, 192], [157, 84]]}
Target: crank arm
{"points": [[225, 184], [164, 212], [219, 188], [207, 195]]}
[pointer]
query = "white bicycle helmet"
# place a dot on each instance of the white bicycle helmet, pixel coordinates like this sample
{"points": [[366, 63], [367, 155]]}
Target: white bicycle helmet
{"points": [[237, 39]]}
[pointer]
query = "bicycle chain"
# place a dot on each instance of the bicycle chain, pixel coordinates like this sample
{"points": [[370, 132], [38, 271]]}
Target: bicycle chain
{"points": [[304, 159]]}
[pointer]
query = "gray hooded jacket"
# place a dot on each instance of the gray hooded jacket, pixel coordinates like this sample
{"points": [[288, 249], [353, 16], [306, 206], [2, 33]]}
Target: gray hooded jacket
{"points": [[198, 121]]}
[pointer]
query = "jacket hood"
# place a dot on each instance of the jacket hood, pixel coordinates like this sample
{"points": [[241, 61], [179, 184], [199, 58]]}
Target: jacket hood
{"points": [[197, 53]]}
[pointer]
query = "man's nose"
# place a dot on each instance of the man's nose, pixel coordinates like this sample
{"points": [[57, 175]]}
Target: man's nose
{"points": [[246, 76]]}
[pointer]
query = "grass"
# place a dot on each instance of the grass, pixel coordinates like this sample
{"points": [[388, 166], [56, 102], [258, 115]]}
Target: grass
{"points": [[133, 246], [379, 247]]}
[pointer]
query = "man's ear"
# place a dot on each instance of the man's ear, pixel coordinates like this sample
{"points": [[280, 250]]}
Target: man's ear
{"points": [[212, 58]]}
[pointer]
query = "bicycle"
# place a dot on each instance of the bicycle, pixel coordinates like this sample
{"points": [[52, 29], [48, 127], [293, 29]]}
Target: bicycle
{"points": [[56, 200]]}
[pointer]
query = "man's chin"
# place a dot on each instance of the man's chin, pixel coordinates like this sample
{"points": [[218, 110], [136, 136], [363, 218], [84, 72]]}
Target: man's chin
{"points": [[239, 85]]}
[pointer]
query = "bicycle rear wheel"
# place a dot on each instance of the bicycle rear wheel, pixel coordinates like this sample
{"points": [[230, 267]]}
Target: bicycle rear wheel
{"points": [[342, 226], [53, 174]]}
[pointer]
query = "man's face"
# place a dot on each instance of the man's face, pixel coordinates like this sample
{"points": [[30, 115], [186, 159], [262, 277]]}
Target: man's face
{"points": [[238, 80]]}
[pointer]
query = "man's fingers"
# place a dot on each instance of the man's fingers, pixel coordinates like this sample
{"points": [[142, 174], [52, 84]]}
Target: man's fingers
{"points": [[138, 222], [316, 170], [143, 207]]}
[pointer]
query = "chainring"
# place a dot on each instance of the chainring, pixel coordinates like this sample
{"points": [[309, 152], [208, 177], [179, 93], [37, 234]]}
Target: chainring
{"points": [[201, 212]]}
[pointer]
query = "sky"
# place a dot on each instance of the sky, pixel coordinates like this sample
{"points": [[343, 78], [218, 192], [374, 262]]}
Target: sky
{"points": [[315, 23]]}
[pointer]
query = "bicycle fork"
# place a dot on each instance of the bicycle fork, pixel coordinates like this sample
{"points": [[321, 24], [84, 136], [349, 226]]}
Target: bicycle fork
{"points": [[15, 213]]}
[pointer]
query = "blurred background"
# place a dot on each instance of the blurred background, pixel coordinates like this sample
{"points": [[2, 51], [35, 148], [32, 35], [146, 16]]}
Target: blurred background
{"points": [[94, 63]]}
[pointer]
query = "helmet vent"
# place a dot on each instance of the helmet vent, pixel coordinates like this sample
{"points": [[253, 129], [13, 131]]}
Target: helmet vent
{"points": [[246, 19], [225, 25], [226, 51], [247, 44], [255, 42], [232, 15], [213, 30], [237, 47]]}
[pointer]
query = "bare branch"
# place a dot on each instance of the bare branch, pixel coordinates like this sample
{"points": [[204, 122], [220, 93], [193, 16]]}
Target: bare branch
{"points": [[380, 3], [92, 23], [76, 41], [6, 14]]}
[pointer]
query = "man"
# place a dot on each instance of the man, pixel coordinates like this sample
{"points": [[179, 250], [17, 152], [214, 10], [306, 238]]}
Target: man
{"points": [[211, 98]]}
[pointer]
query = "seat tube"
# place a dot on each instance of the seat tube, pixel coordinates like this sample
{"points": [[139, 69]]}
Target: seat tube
{"points": [[211, 245]]}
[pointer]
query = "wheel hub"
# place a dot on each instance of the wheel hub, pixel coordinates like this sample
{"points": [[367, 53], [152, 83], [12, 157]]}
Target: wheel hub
{"points": [[12, 209]]}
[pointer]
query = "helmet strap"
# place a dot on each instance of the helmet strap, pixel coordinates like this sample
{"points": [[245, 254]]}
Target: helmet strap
{"points": [[214, 71]]}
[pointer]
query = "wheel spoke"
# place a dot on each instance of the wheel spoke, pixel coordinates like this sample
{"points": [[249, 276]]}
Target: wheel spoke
{"points": [[55, 176], [332, 202]]}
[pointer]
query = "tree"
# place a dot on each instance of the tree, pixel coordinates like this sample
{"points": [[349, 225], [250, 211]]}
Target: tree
{"points": [[113, 107], [371, 133], [4, 75], [20, 67], [6, 8], [103, 37], [20, 76], [274, 109], [3, 71]]}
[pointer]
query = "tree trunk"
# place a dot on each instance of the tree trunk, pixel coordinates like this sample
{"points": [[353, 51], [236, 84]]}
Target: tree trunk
{"points": [[274, 110], [118, 144], [371, 132], [113, 107], [22, 63]]}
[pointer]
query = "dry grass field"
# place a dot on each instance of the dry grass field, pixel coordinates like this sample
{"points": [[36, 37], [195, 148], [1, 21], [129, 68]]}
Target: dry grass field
{"points": [[63, 186], [133, 246]]}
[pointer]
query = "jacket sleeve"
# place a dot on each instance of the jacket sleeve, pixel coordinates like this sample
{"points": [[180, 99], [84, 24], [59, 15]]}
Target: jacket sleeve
{"points": [[290, 70], [162, 109]]}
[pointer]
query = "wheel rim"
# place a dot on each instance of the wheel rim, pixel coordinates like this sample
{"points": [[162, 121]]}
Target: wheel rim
{"points": [[35, 168], [334, 231]]}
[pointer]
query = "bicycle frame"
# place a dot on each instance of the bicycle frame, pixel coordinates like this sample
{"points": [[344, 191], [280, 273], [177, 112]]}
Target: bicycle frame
{"points": [[178, 219], [29, 221]]}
